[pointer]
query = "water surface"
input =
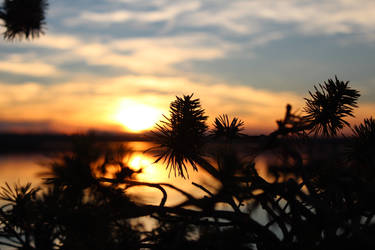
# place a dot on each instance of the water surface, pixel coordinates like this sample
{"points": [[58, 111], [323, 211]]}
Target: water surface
{"points": [[23, 168]]}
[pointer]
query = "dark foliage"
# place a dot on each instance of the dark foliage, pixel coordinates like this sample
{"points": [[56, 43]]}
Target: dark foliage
{"points": [[317, 195], [361, 149], [180, 138], [329, 105], [23, 18], [229, 130], [77, 211]]}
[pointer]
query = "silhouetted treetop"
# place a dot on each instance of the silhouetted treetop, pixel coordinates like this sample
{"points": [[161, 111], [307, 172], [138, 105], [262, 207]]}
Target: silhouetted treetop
{"points": [[180, 137], [227, 129], [329, 105], [23, 18], [362, 147]]}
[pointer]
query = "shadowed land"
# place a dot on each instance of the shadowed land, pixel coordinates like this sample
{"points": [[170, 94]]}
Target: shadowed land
{"points": [[43, 143]]}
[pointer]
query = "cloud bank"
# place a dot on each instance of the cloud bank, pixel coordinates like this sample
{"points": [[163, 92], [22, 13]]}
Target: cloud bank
{"points": [[96, 54]]}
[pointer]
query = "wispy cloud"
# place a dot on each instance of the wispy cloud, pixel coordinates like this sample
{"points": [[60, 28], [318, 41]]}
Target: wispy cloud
{"points": [[139, 55], [165, 13], [244, 17], [159, 55], [96, 102], [71, 103], [56, 41], [212, 30], [26, 126], [153, 43], [316, 17], [17, 64]]}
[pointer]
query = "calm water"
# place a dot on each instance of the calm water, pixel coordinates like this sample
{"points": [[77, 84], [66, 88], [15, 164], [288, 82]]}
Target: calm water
{"points": [[24, 168]]}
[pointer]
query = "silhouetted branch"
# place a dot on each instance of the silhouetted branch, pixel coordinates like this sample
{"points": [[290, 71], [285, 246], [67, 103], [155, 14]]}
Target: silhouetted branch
{"points": [[203, 188], [329, 105], [131, 183]]}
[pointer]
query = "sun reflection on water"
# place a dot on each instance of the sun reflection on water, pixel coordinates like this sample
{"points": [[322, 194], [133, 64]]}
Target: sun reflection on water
{"points": [[25, 168], [150, 172], [157, 173]]}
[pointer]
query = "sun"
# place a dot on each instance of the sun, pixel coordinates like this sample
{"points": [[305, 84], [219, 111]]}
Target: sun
{"points": [[137, 117]]}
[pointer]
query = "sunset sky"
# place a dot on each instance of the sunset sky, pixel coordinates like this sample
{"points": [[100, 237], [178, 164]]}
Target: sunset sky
{"points": [[102, 62]]}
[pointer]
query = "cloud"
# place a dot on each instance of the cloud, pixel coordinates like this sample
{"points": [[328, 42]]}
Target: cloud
{"points": [[316, 17], [93, 104], [149, 55], [159, 55], [57, 41], [19, 94], [96, 102], [167, 12], [245, 17], [143, 55], [20, 65], [26, 126], [157, 38], [212, 30]]}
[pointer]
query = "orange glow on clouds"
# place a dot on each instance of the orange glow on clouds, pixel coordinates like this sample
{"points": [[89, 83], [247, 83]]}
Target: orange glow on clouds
{"points": [[67, 107]]}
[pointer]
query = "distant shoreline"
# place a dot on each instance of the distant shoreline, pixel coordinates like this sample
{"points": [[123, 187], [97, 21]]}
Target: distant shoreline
{"points": [[49, 143], [24, 143]]}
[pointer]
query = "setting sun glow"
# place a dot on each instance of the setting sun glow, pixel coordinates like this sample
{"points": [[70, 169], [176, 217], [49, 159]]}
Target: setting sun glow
{"points": [[137, 117]]}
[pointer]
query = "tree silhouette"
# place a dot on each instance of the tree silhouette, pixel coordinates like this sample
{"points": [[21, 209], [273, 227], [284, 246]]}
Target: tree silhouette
{"points": [[314, 200], [23, 18], [228, 130], [180, 138], [329, 105], [362, 147]]}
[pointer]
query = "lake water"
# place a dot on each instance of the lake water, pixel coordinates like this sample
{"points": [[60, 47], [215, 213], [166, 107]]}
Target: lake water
{"points": [[24, 168]]}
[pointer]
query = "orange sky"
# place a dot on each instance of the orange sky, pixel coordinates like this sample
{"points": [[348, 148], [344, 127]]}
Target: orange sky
{"points": [[69, 107], [117, 66]]}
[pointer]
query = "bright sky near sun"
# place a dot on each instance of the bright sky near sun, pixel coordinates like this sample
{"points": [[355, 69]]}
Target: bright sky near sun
{"points": [[117, 64]]}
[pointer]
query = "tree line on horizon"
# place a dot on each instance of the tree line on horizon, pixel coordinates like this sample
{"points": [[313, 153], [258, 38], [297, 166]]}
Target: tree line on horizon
{"points": [[319, 198]]}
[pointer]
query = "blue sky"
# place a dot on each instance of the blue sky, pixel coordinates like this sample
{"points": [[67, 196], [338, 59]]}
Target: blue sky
{"points": [[244, 58]]}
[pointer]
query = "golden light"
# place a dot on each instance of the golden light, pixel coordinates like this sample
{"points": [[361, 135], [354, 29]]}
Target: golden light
{"points": [[137, 117], [150, 172]]}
